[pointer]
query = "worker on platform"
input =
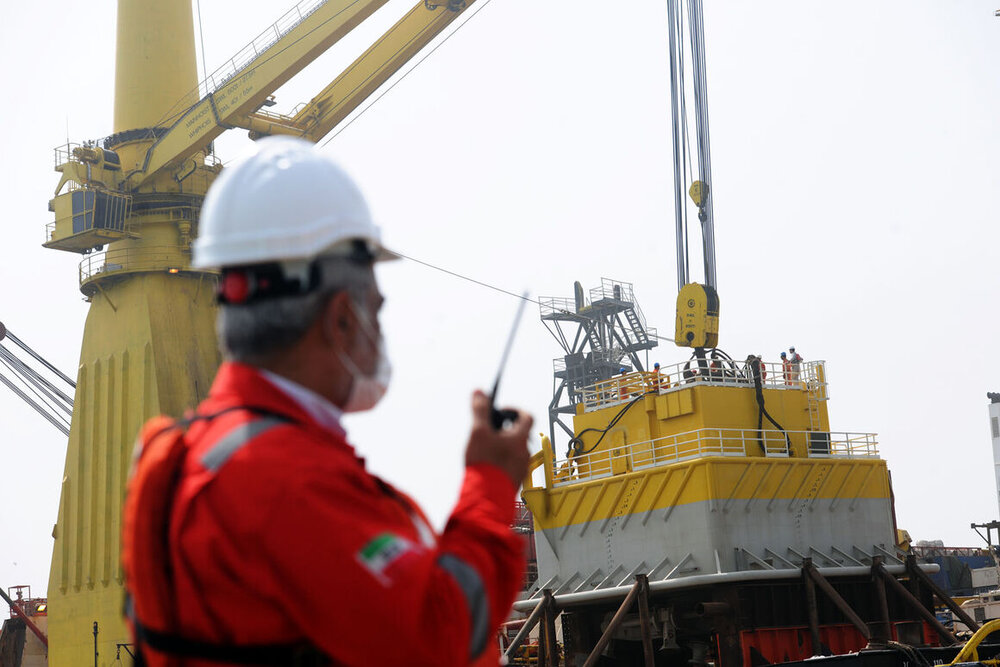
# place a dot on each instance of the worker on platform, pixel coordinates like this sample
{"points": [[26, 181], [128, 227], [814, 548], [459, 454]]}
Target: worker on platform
{"points": [[658, 378], [280, 545], [786, 368], [622, 386], [795, 364]]}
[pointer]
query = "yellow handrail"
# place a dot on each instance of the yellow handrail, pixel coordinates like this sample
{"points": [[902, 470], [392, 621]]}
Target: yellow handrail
{"points": [[970, 652]]}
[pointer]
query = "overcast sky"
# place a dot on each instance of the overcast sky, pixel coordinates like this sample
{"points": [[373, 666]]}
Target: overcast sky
{"points": [[855, 180]]}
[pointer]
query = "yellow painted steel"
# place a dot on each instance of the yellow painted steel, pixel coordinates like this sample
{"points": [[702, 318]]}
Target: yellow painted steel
{"points": [[250, 87], [697, 323], [685, 409], [970, 652], [722, 480], [155, 68], [148, 345], [669, 422], [361, 78]]}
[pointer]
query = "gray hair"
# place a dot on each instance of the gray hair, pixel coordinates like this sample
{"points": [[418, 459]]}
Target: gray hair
{"points": [[251, 333]]}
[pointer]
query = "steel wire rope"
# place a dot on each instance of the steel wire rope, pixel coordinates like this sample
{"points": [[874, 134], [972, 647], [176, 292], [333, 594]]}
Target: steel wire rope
{"points": [[686, 162], [755, 375], [495, 288], [201, 38], [701, 105], [368, 106], [17, 341], [395, 83], [396, 53], [48, 411], [51, 402], [63, 402], [27, 399], [37, 377], [28, 375], [204, 62]]}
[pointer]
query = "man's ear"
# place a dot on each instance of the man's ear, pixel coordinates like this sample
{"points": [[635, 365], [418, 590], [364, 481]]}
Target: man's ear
{"points": [[339, 321]]}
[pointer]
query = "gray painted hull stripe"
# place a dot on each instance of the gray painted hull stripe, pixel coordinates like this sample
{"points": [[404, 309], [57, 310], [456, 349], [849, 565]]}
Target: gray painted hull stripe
{"points": [[475, 595], [235, 440]]}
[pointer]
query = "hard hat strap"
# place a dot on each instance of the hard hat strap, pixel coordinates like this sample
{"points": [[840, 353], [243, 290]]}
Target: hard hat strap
{"points": [[241, 285]]}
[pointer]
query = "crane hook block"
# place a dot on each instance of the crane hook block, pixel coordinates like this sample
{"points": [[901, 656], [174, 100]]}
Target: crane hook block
{"points": [[699, 193], [697, 316]]}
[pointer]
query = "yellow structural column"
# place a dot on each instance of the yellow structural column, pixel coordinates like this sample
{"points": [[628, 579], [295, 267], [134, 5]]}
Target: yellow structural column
{"points": [[155, 68], [148, 345]]}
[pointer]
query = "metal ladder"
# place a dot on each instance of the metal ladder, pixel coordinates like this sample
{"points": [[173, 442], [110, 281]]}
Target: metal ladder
{"points": [[594, 338], [636, 324], [812, 407], [814, 394]]}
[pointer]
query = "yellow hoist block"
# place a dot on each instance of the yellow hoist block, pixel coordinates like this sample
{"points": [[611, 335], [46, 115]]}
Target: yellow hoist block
{"points": [[698, 193], [697, 316]]}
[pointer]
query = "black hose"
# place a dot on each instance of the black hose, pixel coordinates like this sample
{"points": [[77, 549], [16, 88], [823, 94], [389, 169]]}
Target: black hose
{"points": [[575, 445], [762, 411]]}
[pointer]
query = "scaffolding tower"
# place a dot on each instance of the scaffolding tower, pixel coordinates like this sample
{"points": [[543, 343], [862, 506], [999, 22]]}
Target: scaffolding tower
{"points": [[600, 333]]}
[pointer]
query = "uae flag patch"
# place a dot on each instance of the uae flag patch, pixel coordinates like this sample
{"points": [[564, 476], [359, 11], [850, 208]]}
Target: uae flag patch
{"points": [[383, 556]]}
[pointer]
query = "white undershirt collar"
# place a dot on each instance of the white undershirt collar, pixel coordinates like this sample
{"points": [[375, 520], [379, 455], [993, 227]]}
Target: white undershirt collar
{"points": [[323, 411]]}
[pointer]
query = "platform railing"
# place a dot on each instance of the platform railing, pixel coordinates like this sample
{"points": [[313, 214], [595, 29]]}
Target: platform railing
{"points": [[170, 259], [608, 290], [261, 43], [554, 305], [808, 376], [710, 443]]}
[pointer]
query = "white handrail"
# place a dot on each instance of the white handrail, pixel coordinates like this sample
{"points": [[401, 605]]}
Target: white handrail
{"points": [[711, 442], [808, 375]]}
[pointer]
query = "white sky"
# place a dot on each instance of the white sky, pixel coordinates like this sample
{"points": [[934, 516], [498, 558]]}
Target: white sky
{"points": [[853, 148]]}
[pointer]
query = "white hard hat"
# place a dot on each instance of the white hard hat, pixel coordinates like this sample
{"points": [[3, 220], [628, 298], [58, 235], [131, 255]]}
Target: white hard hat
{"points": [[286, 202]]}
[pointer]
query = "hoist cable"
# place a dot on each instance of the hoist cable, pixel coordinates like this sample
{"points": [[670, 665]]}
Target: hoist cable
{"points": [[30, 376], [39, 359], [27, 399], [201, 37], [40, 405], [56, 411], [395, 83], [685, 133], [495, 288]]}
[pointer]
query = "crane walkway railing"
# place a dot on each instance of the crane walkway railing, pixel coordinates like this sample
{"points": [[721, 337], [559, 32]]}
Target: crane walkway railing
{"points": [[711, 443], [170, 259], [265, 40], [807, 376]]}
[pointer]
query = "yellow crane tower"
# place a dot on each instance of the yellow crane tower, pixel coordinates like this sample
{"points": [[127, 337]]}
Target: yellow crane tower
{"points": [[129, 205]]}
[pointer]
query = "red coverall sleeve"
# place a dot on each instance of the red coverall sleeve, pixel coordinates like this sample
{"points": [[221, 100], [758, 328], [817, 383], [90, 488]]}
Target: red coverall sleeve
{"points": [[349, 572]]}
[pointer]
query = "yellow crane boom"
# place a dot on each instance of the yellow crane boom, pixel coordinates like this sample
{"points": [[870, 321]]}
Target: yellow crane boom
{"points": [[335, 102], [237, 101]]}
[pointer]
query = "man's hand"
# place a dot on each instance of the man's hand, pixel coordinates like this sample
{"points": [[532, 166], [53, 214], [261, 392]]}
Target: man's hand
{"points": [[506, 448]]}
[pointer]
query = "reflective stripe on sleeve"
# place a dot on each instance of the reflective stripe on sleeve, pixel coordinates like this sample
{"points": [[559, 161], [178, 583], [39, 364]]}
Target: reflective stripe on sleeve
{"points": [[233, 441], [475, 596]]}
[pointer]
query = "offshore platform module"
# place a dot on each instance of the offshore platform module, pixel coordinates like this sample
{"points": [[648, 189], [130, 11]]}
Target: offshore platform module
{"points": [[712, 494]]}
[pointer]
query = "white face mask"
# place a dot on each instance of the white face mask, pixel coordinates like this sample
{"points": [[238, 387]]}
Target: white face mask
{"points": [[367, 390]]}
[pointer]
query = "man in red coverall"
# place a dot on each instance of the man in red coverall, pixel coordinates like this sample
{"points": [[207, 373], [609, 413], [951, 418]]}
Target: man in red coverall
{"points": [[278, 536]]}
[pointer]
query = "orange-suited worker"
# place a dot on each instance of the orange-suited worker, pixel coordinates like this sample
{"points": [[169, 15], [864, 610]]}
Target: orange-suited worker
{"points": [[253, 532]]}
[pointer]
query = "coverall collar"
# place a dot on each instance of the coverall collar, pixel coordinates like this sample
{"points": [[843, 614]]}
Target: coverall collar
{"points": [[239, 384], [323, 411]]}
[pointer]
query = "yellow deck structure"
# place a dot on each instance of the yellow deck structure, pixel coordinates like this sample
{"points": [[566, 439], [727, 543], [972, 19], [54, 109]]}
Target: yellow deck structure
{"points": [[677, 472]]}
